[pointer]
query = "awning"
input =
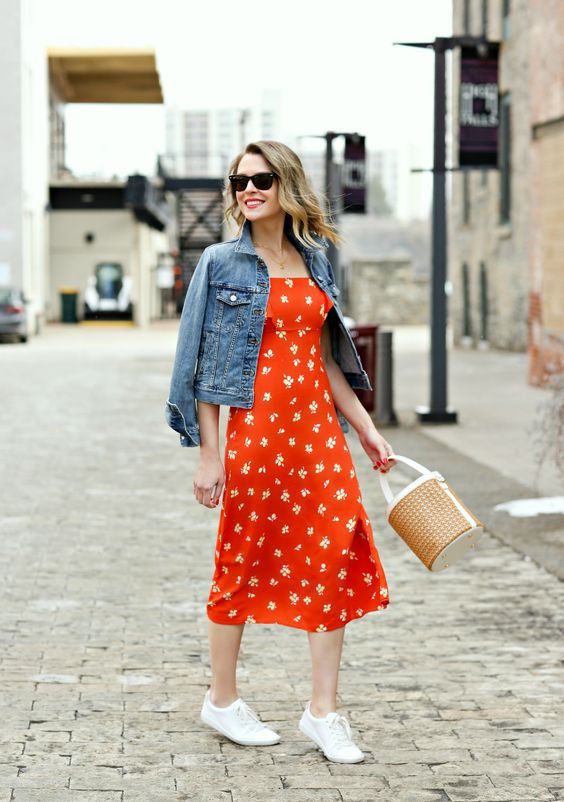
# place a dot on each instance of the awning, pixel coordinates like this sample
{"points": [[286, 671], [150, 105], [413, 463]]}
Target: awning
{"points": [[105, 75]]}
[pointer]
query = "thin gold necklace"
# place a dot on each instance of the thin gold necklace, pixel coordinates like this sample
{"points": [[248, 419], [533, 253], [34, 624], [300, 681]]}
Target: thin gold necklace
{"points": [[282, 264]]}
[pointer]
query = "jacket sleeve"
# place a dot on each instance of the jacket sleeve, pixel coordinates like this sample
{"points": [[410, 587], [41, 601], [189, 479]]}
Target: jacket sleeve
{"points": [[180, 410]]}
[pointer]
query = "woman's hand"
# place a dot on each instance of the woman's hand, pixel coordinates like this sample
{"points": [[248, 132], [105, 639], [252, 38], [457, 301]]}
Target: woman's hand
{"points": [[377, 448], [209, 479]]}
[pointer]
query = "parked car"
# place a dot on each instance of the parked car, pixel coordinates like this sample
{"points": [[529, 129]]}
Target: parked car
{"points": [[13, 314], [108, 293]]}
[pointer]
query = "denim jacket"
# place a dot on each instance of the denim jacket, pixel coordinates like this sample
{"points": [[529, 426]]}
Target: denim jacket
{"points": [[221, 331]]}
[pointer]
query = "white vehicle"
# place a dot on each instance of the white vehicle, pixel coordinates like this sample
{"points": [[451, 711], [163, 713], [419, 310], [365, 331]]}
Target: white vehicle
{"points": [[108, 293]]}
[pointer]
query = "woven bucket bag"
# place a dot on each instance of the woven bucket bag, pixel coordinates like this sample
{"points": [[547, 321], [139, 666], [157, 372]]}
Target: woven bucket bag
{"points": [[430, 518]]}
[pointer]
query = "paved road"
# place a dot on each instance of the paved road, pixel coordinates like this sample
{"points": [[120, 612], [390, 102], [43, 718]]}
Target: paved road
{"points": [[455, 691]]}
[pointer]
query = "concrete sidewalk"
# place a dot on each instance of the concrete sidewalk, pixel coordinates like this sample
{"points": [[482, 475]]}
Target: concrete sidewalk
{"points": [[455, 691]]}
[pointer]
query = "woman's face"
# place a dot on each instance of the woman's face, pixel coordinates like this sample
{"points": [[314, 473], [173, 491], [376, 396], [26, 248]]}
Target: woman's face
{"points": [[257, 204]]}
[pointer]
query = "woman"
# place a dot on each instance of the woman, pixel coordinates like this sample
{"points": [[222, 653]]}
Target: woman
{"points": [[262, 332]]}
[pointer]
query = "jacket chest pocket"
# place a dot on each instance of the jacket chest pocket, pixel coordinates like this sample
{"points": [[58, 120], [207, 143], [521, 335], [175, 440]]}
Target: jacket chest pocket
{"points": [[231, 308]]}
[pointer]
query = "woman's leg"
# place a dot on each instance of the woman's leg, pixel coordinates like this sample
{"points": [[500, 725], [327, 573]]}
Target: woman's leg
{"points": [[225, 640], [326, 649]]}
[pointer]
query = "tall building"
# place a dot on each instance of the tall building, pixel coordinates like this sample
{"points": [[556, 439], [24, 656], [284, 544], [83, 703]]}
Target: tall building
{"points": [[202, 142], [506, 255], [490, 210]]}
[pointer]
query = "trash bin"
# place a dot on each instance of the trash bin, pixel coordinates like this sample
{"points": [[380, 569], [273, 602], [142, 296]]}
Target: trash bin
{"points": [[69, 298], [364, 338]]}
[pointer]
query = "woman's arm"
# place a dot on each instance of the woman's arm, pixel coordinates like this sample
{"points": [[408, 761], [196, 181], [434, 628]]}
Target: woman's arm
{"points": [[210, 474], [349, 404]]}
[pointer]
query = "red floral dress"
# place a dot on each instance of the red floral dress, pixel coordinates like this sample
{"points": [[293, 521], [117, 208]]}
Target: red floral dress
{"points": [[294, 543]]}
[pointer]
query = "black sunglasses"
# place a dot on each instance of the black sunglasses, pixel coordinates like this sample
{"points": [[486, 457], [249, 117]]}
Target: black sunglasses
{"points": [[260, 181]]}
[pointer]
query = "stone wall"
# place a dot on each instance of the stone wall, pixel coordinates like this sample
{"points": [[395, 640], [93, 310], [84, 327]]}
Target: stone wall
{"points": [[386, 292]]}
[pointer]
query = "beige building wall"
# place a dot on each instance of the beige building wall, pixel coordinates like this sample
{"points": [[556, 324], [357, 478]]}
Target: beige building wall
{"points": [[491, 248]]}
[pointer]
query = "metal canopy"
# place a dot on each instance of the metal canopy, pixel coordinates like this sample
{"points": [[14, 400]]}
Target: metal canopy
{"points": [[105, 75]]}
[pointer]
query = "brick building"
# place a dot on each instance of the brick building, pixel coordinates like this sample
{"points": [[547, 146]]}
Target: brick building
{"points": [[506, 255]]}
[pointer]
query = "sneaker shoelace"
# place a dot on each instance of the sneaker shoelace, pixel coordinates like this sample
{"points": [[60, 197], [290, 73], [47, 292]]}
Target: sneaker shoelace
{"points": [[248, 717], [340, 730]]}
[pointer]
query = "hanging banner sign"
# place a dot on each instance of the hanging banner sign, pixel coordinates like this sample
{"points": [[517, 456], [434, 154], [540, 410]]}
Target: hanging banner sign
{"points": [[479, 107], [353, 175]]}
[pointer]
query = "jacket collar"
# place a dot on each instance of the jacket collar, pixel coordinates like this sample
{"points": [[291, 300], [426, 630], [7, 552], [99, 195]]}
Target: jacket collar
{"points": [[245, 242]]}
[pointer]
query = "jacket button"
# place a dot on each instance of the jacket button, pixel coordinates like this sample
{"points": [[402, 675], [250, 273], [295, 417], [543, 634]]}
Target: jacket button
{"points": [[233, 297]]}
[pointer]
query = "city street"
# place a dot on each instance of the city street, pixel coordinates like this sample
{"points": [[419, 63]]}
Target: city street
{"points": [[455, 691]]}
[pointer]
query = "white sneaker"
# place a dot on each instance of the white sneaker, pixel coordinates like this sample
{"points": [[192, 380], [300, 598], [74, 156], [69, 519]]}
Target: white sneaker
{"points": [[238, 723], [333, 736]]}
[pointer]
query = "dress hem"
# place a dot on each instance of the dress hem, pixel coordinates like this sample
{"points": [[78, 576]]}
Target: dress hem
{"points": [[296, 625]]}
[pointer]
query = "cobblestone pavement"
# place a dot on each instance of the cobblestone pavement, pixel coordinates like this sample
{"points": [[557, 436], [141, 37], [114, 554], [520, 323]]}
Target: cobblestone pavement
{"points": [[455, 691]]}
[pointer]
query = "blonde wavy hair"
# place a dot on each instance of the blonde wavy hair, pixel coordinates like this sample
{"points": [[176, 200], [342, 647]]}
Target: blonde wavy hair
{"points": [[295, 194]]}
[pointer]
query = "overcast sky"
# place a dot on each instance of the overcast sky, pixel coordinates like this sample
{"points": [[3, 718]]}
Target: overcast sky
{"points": [[333, 62]]}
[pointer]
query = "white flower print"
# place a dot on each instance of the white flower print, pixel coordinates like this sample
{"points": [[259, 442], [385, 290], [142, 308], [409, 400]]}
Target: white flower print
{"points": [[279, 323], [239, 558], [248, 442], [227, 546], [266, 396], [302, 473], [313, 350], [324, 542], [231, 454], [234, 492], [305, 492], [269, 354], [384, 593], [238, 528], [322, 568], [340, 494], [320, 589], [294, 598], [232, 613], [291, 441], [266, 493], [310, 364], [253, 516], [294, 348], [253, 581], [326, 396], [351, 523], [285, 529], [322, 509], [313, 407], [282, 334], [285, 495], [310, 530], [330, 442], [297, 416], [308, 560], [307, 600], [250, 619], [308, 300], [321, 628], [367, 578], [246, 467], [265, 370], [315, 428], [309, 448], [288, 380], [273, 582], [301, 378], [289, 282], [277, 553], [285, 570], [264, 441], [342, 573], [284, 299], [271, 605], [326, 608], [279, 459], [260, 541], [337, 468], [320, 467], [343, 615], [296, 509], [249, 419]]}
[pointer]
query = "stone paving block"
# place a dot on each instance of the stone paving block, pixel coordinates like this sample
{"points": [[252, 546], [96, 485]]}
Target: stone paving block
{"points": [[420, 795], [290, 795], [202, 795], [60, 795]]}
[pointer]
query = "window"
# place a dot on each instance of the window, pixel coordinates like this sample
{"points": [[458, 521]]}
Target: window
{"points": [[483, 302], [466, 17], [505, 159], [485, 17], [466, 325], [465, 196], [505, 11]]}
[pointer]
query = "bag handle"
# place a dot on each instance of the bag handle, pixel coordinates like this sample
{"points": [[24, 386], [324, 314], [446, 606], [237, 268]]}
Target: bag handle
{"points": [[384, 484]]}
